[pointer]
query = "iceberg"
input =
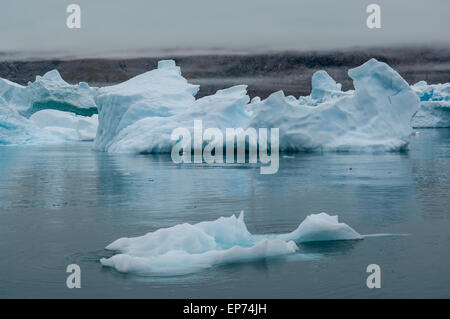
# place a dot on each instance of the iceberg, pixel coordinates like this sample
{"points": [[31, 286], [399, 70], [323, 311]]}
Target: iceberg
{"points": [[158, 93], [224, 109], [434, 105], [44, 127], [323, 88], [69, 126], [139, 115], [376, 116], [136, 118], [52, 92], [16, 129], [15, 95], [187, 248]]}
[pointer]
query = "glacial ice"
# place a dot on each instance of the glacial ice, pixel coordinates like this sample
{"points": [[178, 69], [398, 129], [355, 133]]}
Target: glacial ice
{"points": [[434, 105], [14, 95], [187, 248], [49, 91], [52, 92], [224, 109], [375, 116], [36, 113], [138, 116], [16, 129], [69, 126], [158, 93]]}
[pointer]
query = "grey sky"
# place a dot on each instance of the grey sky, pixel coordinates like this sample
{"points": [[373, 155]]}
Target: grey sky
{"points": [[151, 25]]}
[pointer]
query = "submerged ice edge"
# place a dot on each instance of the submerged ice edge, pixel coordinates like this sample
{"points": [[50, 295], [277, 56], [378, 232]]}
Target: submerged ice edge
{"points": [[187, 248]]}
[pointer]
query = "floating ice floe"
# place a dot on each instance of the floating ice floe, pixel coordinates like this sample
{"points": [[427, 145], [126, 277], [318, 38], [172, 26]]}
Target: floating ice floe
{"points": [[434, 105], [187, 248]]}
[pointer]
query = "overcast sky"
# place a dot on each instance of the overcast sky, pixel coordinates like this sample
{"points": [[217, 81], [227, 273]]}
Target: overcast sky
{"points": [[133, 25]]}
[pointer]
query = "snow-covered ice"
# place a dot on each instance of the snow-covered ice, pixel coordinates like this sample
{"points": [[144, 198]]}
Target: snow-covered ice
{"points": [[187, 248], [376, 116], [16, 129], [36, 113], [152, 134], [49, 91], [139, 115], [68, 126], [15, 95], [434, 105], [158, 93]]}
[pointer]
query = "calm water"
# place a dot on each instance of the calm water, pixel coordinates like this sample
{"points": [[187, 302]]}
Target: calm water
{"points": [[63, 204]]}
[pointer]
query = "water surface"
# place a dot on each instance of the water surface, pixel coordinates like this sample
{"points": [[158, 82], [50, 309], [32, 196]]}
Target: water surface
{"points": [[63, 204]]}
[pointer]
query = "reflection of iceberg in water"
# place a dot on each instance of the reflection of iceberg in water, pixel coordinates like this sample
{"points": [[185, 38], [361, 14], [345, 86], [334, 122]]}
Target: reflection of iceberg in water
{"points": [[187, 248]]}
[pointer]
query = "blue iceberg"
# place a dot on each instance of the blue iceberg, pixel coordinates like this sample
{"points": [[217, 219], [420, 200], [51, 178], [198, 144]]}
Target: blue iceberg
{"points": [[187, 248]]}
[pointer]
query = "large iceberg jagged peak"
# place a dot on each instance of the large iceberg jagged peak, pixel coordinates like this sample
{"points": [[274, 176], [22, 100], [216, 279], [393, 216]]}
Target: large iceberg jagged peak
{"points": [[50, 91], [167, 64], [53, 76], [323, 84], [323, 88], [186, 248], [158, 93], [375, 116], [434, 106]]}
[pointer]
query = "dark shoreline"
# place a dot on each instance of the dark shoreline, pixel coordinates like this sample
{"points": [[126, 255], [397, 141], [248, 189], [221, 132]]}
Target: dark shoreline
{"points": [[264, 73]]}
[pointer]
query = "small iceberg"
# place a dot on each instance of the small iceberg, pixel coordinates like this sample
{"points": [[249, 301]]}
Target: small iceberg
{"points": [[187, 248], [434, 105]]}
